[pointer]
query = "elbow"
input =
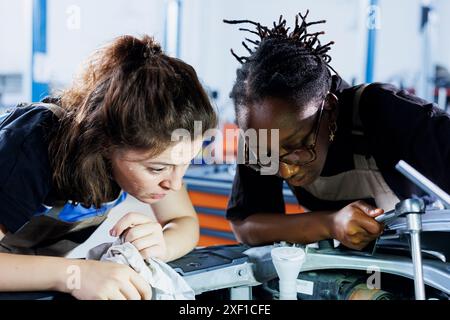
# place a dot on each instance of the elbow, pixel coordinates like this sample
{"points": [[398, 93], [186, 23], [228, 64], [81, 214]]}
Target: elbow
{"points": [[196, 233], [196, 238], [244, 233], [187, 227]]}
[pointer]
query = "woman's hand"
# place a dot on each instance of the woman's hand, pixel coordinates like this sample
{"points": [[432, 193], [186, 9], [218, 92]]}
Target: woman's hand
{"points": [[108, 281], [146, 235], [355, 227]]}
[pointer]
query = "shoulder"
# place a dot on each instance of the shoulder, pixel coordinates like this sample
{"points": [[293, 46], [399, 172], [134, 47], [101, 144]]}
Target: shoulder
{"points": [[386, 107], [387, 99], [25, 118], [25, 173], [402, 126], [23, 133]]}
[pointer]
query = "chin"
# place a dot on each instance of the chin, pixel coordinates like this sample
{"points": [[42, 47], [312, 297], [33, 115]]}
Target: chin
{"points": [[301, 182], [296, 184], [148, 200]]}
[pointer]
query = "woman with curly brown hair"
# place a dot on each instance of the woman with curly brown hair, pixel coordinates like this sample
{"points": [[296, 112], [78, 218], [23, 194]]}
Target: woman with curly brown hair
{"points": [[65, 162]]}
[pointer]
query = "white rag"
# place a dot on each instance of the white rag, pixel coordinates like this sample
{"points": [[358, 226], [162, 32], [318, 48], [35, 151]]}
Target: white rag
{"points": [[166, 283]]}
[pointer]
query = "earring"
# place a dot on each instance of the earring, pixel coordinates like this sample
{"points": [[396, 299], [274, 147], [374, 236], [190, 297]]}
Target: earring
{"points": [[333, 128]]}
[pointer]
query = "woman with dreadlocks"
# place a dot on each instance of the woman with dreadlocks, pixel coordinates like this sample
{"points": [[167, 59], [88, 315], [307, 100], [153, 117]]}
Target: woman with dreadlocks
{"points": [[338, 145]]}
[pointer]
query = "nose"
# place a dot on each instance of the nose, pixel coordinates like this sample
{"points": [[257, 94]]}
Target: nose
{"points": [[174, 181], [287, 171]]}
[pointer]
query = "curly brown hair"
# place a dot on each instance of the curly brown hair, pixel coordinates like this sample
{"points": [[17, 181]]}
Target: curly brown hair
{"points": [[129, 96]]}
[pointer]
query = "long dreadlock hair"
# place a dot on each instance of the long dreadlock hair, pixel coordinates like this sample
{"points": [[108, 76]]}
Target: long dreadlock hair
{"points": [[290, 65]]}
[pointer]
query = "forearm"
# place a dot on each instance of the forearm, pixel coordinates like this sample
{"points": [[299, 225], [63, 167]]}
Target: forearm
{"points": [[303, 228], [181, 236], [33, 273]]}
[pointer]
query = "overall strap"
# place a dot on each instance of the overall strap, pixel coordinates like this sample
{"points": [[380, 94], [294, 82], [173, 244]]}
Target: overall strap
{"points": [[359, 141], [357, 123]]}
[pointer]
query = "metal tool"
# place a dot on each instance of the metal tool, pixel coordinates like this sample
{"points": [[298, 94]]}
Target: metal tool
{"points": [[424, 183], [390, 216], [387, 217], [413, 209]]}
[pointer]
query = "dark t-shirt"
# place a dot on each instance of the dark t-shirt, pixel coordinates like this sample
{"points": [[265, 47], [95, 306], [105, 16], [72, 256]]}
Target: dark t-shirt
{"points": [[395, 125], [25, 175], [26, 189]]}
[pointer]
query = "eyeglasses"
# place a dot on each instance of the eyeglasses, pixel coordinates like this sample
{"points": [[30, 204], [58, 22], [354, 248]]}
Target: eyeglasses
{"points": [[299, 156], [305, 154]]}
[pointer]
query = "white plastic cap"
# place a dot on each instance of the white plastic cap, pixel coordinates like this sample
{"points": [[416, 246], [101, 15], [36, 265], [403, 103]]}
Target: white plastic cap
{"points": [[288, 253]]}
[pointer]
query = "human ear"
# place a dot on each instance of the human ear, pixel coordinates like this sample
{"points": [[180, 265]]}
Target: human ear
{"points": [[331, 102], [331, 105]]}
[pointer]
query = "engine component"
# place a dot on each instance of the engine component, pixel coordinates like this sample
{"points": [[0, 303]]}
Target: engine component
{"points": [[362, 292], [329, 285]]}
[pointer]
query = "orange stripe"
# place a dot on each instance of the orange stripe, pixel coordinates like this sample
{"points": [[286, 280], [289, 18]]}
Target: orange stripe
{"points": [[293, 208], [214, 222], [202, 199], [230, 146], [206, 241]]}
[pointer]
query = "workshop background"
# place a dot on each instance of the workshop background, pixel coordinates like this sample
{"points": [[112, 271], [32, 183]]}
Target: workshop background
{"points": [[44, 42]]}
